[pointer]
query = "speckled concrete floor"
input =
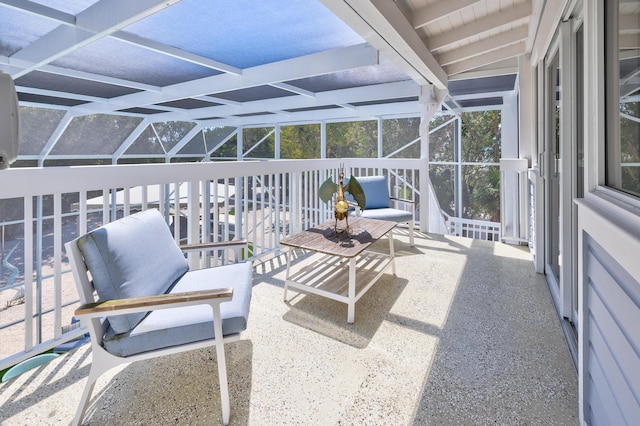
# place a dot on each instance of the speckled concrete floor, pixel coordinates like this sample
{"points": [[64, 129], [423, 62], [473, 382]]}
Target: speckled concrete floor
{"points": [[464, 334]]}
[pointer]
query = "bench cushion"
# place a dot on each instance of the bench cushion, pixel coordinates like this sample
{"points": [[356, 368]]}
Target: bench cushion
{"points": [[177, 326], [132, 257]]}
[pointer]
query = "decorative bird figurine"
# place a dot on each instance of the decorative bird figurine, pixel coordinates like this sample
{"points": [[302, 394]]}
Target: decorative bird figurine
{"points": [[341, 207]]}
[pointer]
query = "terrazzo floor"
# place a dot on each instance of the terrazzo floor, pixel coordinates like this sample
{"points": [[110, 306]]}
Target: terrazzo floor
{"points": [[465, 333]]}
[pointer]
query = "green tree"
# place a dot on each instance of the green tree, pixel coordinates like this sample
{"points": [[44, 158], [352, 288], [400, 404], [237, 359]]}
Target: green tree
{"points": [[215, 135], [300, 142], [481, 184], [442, 139], [397, 133], [357, 139], [253, 136]]}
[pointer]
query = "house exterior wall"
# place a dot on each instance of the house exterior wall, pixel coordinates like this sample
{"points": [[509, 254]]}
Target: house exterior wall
{"points": [[608, 235], [609, 361]]}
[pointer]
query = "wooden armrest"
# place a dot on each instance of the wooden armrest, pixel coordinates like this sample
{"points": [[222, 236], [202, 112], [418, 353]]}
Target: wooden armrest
{"points": [[148, 303], [402, 200], [213, 246]]}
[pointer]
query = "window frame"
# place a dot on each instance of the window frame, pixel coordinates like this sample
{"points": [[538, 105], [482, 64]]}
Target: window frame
{"points": [[609, 156]]}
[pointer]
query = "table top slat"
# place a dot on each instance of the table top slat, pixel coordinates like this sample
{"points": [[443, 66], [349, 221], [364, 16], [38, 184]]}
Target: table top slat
{"points": [[323, 239]]}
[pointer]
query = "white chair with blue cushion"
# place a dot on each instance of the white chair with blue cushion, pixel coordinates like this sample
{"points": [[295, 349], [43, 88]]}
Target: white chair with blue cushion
{"points": [[149, 303], [380, 205]]}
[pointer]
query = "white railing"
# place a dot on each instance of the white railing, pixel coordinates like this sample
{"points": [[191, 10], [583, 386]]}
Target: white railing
{"points": [[513, 200], [257, 201], [471, 228]]}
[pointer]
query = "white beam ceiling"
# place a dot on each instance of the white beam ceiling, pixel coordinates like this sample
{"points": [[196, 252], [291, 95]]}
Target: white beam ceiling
{"points": [[442, 9], [290, 69], [383, 25], [485, 45], [95, 22], [487, 58], [334, 97], [476, 38], [480, 26]]}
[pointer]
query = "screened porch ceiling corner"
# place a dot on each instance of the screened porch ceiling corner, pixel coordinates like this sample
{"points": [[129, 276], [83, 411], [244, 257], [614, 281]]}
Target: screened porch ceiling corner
{"points": [[244, 63]]}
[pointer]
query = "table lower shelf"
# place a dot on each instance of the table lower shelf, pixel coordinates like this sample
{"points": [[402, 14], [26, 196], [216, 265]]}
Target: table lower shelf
{"points": [[329, 276]]}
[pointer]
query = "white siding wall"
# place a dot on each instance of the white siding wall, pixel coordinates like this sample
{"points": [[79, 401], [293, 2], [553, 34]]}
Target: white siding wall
{"points": [[610, 316]]}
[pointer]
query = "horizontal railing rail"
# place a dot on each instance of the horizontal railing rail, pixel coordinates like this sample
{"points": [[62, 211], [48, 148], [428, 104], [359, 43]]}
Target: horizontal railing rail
{"points": [[260, 201], [473, 228]]}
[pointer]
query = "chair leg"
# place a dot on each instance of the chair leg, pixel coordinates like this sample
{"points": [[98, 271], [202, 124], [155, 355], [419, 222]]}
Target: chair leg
{"points": [[411, 233], [86, 394], [222, 365], [101, 362]]}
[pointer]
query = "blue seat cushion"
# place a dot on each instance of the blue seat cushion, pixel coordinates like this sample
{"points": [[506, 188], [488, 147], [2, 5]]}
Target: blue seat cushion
{"points": [[132, 257], [376, 191], [178, 326], [390, 214]]}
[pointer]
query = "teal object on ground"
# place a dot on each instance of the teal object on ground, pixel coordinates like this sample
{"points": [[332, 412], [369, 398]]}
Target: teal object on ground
{"points": [[27, 364]]}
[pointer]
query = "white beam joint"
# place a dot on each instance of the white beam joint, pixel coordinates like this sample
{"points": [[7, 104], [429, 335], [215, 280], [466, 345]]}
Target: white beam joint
{"points": [[386, 19]]}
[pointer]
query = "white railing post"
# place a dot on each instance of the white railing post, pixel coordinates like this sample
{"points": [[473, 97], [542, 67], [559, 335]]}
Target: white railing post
{"points": [[295, 207], [193, 221], [57, 265], [430, 100], [28, 273]]}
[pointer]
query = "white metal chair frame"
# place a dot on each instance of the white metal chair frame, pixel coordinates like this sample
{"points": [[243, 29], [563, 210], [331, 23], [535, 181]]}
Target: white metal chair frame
{"points": [[90, 313]]}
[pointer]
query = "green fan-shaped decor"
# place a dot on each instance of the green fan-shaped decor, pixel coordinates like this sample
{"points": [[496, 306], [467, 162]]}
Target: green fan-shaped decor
{"points": [[341, 206]]}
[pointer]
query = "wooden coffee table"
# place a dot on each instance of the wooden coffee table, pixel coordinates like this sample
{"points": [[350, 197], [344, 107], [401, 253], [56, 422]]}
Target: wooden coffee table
{"points": [[343, 269]]}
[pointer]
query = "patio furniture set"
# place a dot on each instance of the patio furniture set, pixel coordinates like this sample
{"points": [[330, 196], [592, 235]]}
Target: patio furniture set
{"points": [[140, 299]]}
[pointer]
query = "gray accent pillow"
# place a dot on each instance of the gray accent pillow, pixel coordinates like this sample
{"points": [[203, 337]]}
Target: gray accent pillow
{"points": [[132, 257]]}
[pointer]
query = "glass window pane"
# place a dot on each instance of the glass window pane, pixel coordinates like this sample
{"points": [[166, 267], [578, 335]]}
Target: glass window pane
{"points": [[401, 138], [300, 142], [357, 139], [622, 52], [630, 147]]}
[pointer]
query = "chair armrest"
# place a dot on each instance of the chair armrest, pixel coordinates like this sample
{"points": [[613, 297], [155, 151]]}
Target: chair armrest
{"points": [[402, 200], [149, 303], [214, 246]]}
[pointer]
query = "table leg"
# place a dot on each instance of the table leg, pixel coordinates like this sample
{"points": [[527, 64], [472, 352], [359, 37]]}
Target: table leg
{"points": [[392, 252], [351, 304], [286, 280]]}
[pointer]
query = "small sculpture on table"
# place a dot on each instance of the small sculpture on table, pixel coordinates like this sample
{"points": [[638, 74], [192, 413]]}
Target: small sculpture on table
{"points": [[341, 206]]}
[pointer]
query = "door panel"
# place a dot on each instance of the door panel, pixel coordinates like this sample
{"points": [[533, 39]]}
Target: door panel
{"points": [[552, 182]]}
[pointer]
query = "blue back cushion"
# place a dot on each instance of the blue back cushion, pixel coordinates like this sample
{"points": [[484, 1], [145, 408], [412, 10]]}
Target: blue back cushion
{"points": [[132, 257], [376, 190]]}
